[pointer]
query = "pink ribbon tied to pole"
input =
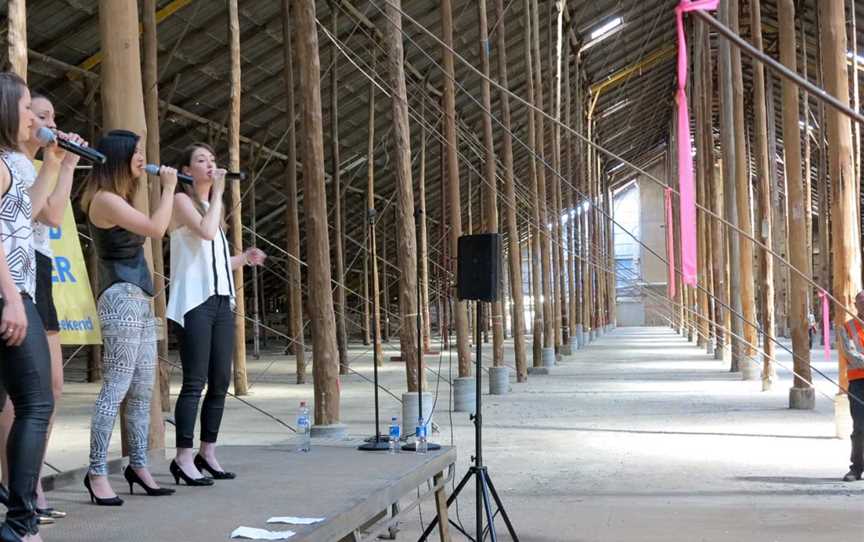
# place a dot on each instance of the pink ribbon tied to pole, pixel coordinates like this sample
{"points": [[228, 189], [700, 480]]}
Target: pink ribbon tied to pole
{"points": [[670, 243], [825, 325], [686, 185]]}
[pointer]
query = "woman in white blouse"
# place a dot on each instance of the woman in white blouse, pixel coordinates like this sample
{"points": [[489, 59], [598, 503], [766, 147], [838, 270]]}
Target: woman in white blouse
{"points": [[201, 302]]}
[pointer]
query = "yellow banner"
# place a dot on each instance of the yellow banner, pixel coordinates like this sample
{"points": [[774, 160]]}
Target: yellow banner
{"points": [[76, 310]]}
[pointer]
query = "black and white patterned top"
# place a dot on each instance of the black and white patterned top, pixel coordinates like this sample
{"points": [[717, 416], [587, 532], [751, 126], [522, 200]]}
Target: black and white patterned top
{"points": [[16, 229]]}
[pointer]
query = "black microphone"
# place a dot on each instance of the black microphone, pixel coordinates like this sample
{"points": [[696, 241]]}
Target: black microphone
{"points": [[153, 169], [235, 175], [46, 137]]}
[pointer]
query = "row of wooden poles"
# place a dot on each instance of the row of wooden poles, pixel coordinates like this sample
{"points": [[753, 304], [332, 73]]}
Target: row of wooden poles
{"points": [[748, 292], [130, 100], [571, 262]]}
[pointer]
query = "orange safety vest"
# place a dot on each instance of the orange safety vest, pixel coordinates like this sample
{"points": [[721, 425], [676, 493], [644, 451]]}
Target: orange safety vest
{"points": [[855, 374]]}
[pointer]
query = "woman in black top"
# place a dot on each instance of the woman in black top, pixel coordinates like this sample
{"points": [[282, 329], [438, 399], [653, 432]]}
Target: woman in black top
{"points": [[125, 292]]}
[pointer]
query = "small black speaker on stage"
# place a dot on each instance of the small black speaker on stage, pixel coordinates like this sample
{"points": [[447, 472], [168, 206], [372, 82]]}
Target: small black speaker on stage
{"points": [[479, 267]]}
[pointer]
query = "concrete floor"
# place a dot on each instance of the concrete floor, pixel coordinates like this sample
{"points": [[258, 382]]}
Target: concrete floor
{"points": [[639, 436]]}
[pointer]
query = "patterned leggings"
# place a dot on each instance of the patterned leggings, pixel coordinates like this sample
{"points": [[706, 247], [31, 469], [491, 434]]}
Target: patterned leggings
{"points": [[129, 359]]}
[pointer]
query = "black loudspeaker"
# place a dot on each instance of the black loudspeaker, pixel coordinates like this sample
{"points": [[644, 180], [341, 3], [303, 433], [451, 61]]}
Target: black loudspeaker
{"points": [[479, 267]]}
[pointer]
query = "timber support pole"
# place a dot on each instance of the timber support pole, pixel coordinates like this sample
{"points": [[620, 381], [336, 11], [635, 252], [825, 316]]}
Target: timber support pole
{"points": [[845, 237], [123, 107], [514, 248], [241, 382], [323, 321], [295, 289], [406, 233], [151, 112], [801, 395], [453, 193]]}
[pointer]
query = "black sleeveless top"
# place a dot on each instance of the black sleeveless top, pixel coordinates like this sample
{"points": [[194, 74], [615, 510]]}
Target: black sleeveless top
{"points": [[121, 258]]}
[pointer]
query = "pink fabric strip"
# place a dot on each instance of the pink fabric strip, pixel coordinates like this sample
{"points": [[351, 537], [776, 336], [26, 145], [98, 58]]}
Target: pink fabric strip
{"points": [[826, 330], [686, 185], [670, 243]]}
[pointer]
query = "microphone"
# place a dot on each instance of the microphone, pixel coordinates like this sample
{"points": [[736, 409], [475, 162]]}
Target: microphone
{"points": [[153, 169], [236, 175], [46, 137]]}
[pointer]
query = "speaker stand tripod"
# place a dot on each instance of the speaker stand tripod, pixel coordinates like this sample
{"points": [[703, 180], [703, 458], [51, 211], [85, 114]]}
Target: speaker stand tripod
{"points": [[482, 481], [376, 443]]}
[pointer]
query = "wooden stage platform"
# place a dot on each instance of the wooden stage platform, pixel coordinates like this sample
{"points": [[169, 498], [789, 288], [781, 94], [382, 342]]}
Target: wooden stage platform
{"points": [[349, 488]]}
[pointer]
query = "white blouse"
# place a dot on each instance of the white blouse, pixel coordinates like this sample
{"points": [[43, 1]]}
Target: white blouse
{"points": [[199, 269]]}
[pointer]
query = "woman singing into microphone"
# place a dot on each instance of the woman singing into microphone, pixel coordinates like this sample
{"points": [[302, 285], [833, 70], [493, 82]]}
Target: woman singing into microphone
{"points": [[48, 208], [125, 292], [201, 302], [25, 363]]}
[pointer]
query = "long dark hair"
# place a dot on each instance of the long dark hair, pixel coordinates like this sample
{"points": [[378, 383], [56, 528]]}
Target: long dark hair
{"points": [[12, 88], [114, 175], [186, 160]]}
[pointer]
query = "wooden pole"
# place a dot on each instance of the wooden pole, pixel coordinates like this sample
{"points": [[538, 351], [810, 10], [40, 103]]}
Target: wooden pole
{"points": [[727, 132], [543, 230], [778, 215], [256, 305], [490, 187], [571, 228], [370, 206], [534, 221], [123, 107], [801, 396], [455, 203], [845, 237], [764, 183], [336, 198], [702, 297], [323, 321], [17, 37], [514, 250], [295, 290], [151, 113], [749, 369], [423, 248], [241, 383], [406, 233], [562, 307]]}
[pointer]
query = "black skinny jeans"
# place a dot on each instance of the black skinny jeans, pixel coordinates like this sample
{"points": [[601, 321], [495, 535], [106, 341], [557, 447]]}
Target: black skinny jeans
{"points": [[26, 374], [206, 349]]}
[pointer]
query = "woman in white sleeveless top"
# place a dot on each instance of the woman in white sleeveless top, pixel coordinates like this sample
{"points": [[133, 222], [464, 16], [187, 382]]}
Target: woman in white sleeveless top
{"points": [[201, 301]]}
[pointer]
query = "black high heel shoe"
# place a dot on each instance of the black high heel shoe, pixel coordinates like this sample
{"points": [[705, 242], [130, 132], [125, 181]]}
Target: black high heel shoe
{"points": [[110, 501], [133, 478], [4, 496], [202, 465], [178, 473]]}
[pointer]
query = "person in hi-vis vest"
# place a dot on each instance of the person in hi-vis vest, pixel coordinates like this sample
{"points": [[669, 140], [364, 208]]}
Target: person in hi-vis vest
{"points": [[852, 339]]}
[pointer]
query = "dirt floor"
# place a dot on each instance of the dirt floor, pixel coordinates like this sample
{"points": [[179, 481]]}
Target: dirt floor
{"points": [[640, 436]]}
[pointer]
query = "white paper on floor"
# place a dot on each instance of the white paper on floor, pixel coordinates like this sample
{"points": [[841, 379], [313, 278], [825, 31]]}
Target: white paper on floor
{"points": [[294, 520], [252, 533]]}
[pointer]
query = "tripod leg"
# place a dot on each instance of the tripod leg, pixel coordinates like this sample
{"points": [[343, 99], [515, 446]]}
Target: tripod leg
{"points": [[482, 480], [501, 509], [450, 500]]}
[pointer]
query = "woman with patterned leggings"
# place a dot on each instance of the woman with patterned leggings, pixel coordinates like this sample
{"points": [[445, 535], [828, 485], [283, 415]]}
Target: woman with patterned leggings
{"points": [[119, 231]]}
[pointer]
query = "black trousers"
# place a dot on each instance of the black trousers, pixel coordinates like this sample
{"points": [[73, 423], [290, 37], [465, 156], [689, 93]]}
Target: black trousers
{"points": [[206, 349], [26, 374], [856, 388]]}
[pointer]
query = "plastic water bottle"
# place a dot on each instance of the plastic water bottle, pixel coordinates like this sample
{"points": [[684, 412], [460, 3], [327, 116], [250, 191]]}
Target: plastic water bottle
{"points": [[394, 436], [420, 437], [304, 427]]}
